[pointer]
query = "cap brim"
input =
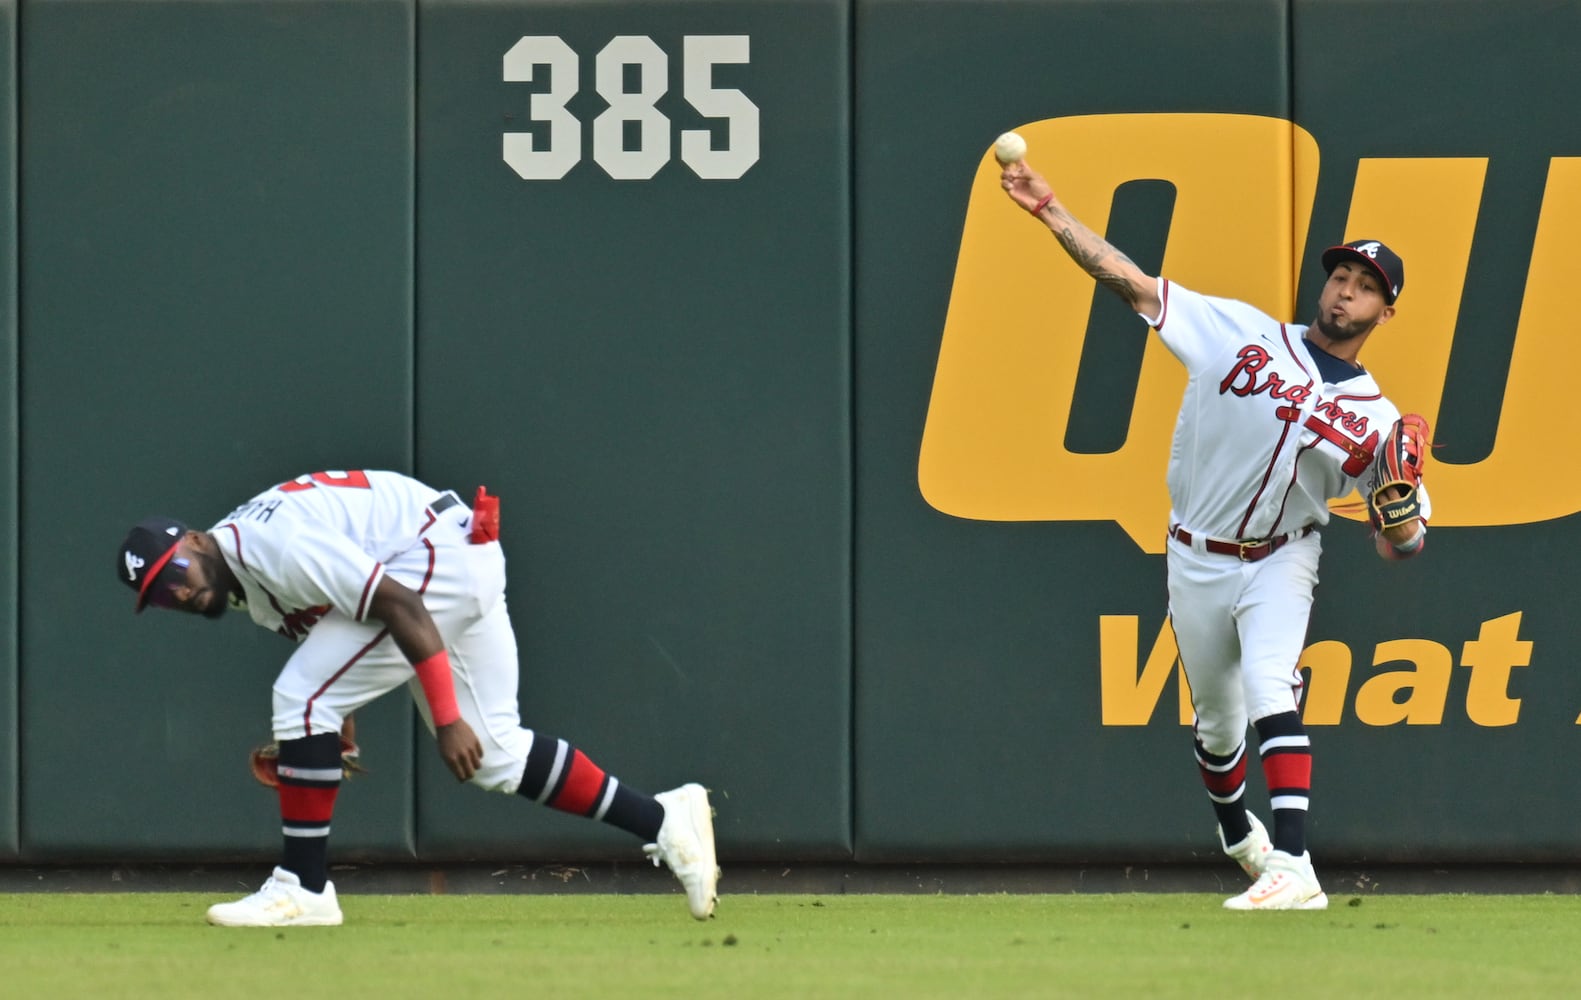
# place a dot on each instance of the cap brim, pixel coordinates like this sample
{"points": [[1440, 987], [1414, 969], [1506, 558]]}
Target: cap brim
{"points": [[152, 575], [1333, 255]]}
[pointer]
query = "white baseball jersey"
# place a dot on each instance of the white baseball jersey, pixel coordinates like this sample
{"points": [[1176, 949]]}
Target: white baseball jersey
{"points": [[309, 554], [1263, 441], [321, 541]]}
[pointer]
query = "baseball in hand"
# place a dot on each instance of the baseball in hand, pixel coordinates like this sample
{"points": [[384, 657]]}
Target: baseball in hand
{"points": [[1010, 148]]}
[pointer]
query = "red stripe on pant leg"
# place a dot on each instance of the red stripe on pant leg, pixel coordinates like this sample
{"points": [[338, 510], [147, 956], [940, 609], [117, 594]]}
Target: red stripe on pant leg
{"points": [[1290, 771], [307, 805], [582, 784], [1224, 783]]}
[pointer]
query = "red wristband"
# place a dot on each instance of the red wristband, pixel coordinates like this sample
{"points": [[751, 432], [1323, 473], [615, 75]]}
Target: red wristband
{"points": [[438, 687], [1043, 203]]}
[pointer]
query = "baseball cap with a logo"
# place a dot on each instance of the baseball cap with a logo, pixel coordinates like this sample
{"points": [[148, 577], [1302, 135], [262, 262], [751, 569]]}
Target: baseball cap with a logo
{"points": [[1385, 263], [145, 552]]}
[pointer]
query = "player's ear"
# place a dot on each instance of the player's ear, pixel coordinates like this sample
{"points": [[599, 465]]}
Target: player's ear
{"points": [[1386, 315]]}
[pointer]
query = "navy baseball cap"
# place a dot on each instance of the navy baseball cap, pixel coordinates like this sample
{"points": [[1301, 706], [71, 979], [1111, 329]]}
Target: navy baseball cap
{"points": [[1385, 263], [145, 552]]}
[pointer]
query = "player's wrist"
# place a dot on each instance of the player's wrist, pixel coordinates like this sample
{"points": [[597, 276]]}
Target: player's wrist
{"points": [[1411, 542], [1043, 203], [1401, 542], [439, 688]]}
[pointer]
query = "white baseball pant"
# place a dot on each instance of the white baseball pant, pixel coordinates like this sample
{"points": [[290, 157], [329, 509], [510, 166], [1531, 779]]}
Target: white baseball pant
{"points": [[1240, 628], [343, 665]]}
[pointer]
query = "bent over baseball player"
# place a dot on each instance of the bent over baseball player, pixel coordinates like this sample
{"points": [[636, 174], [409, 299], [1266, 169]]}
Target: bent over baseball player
{"points": [[383, 581], [1277, 419]]}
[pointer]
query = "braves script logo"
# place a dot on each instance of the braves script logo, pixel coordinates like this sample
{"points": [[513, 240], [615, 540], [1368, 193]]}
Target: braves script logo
{"points": [[298, 623], [1343, 428], [1242, 380], [998, 443]]}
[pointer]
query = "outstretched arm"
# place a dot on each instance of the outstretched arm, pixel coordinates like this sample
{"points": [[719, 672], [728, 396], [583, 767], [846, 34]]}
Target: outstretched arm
{"points": [[1108, 266]]}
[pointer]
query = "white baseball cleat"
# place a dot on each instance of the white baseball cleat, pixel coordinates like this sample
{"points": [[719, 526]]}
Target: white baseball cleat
{"points": [[686, 846], [1251, 853], [1287, 883], [282, 902]]}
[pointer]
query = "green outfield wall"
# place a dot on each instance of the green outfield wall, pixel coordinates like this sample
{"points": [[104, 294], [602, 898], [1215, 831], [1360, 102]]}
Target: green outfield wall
{"points": [[827, 481], [216, 294], [10, 787]]}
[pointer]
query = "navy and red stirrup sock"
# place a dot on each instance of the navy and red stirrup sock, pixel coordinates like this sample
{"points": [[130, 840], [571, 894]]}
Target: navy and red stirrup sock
{"points": [[562, 777], [1287, 764], [1224, 776], [310, 772]]}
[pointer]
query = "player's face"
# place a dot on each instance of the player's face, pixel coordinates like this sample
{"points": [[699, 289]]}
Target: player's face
{"points": [[195, 581], [1352, 302]]}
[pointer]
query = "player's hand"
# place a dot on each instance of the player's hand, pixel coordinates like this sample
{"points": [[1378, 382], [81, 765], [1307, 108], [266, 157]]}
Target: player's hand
{"points": [[459, 747], [1400, 534], [1025, 186]]}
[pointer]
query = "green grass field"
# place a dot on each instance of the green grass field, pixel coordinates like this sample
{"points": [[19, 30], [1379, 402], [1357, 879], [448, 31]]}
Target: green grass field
{"points": [[64, 945]]}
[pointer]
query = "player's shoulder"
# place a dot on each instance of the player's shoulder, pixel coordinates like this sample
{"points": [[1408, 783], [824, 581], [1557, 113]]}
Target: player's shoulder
{"points": [[1184, 301], [265, 515], [1363, 399], [346, 484], [327, 496], [1386, 408]]}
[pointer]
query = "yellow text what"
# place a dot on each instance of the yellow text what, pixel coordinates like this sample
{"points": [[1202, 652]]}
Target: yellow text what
{"points": [[1407, 681]]}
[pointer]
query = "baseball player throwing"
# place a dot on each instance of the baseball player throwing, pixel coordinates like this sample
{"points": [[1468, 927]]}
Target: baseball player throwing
{"points": [[383, 581], [1277, 419]]}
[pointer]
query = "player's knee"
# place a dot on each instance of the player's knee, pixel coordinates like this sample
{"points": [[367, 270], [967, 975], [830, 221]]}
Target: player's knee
{"points": [[1220, 737], [494, 780], [295, 717], [289, 719], [500, 772]]}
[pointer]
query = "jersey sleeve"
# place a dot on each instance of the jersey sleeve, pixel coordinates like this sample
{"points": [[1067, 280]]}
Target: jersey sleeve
{"points": [[1196, 327], [304, 563]]}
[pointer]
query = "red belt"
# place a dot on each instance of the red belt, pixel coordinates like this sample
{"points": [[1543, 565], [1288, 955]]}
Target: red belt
{"points": [[1244, 551]]}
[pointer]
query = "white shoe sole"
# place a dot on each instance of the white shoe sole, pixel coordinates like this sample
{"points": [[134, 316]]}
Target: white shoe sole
{"points": [[1318, 902], [305, 921]]}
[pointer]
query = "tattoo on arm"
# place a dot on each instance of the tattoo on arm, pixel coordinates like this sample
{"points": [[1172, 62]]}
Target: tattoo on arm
{"points": [[1095, 256], [1119, 286]]}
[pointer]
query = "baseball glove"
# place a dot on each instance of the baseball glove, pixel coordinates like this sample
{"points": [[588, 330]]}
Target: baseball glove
{"points": [[1397, 474], [264, 762]]}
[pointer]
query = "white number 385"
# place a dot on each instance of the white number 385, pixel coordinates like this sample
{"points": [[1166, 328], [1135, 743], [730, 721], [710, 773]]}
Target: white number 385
{"points": [[701, 54]]}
